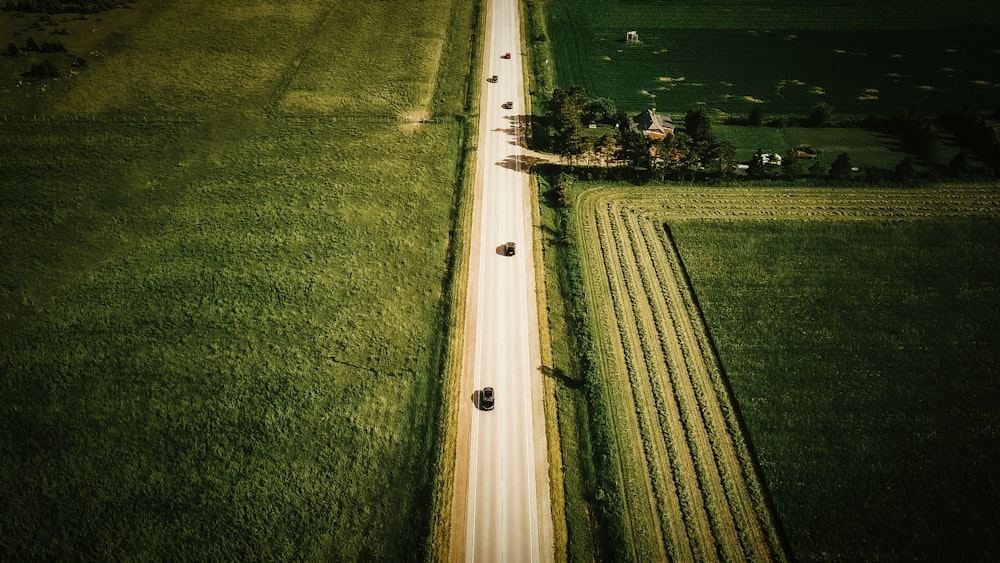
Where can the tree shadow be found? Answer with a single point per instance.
(520, 163)
(560, 376)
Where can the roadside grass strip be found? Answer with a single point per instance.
(690, 485)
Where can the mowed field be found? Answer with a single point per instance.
(222, 300)
(860, 57)
(825, 357)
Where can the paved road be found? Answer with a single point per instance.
(507, 509)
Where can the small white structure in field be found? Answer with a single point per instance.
(632, 37)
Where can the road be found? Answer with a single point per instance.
(502, 467)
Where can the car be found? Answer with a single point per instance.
(486, 399)
(505, 56)
(507, 105)
(508, 249)
(492, 79)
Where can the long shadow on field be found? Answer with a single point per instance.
(560, 376)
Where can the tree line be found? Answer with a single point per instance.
(694, 151)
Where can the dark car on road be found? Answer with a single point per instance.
(507, 105)
(492, 79)
(486, 399)
(508, 249)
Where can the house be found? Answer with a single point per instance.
(652, 124)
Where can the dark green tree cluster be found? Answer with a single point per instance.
(566, 111)
(682, 155)
(977, 135)
(570, 111)
(43, 47)
(44, 69)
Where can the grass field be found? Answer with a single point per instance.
(785, 57)
(864, 357)
(855, 335)
(222, 301)
(865, 148)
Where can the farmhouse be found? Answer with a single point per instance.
(652, 124)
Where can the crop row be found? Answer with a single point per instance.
(819, 204)
(689, 485)
(684, 479)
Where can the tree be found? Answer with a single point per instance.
(564, 190)
(756, 116)
(791, 167)
(606, 147)
(841, 167)
(816, 169)
(822, 114)
(44, 69)
(12, 50)
(905, 170)
(756, 169)
(874, 175)
(566, 107)
(670, 155)
(601, 110)
(697, 125)
(959, 166)
(721, 158)
(633, 148)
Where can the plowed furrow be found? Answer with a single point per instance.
(671, 454)
(746, 509)
(672, 337)
(644, 530)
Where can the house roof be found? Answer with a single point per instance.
(653, 122)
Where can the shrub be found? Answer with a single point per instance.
(44, 69)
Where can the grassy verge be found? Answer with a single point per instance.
(471, 17)
(565, 379)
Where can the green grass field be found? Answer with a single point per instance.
(864, 359)
(786, 57)
(222, 301)
(866, 148)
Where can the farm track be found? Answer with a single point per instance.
(690, 488)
